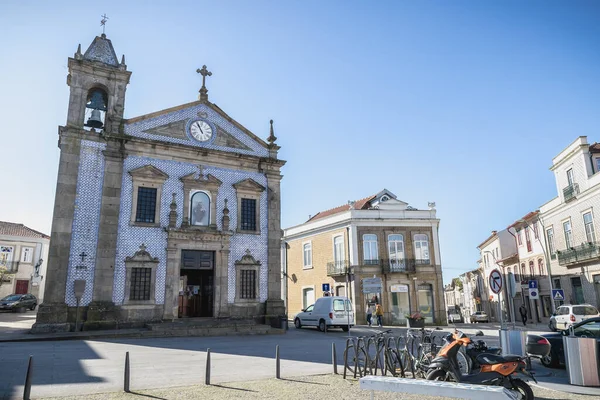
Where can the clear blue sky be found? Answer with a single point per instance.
(461, 103)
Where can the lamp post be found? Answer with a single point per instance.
(546, 258)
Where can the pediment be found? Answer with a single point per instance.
(173, 129)
(247, 259)
(249, 185)
(141, 256)
(148, 172)
(225, 139)
(200, 179)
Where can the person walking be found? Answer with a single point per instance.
(370, 310)
(379, 314)
(523, 312)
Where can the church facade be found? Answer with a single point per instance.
(167, 215)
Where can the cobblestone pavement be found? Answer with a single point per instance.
(310, 387)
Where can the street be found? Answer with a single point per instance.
(78, 367)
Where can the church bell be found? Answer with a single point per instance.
(96, 103)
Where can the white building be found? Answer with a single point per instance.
(23, 256)
(570, 222)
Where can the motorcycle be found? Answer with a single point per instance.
(492, 369)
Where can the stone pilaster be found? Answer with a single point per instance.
(275, 306)
(172, 283)
(54, 310)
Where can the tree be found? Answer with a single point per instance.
(4, 274)
(456, 282)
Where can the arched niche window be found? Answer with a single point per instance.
(531, 269)
(523, 272)
(95, 108)
(200, 209)
(541, 266)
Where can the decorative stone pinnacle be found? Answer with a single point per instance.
(248, 252)
(225, 209)
(203, 90)
(142, 247)
(272, 138)
(78, 55)
(200, 173)
(173, 203)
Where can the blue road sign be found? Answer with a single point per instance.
(533, 285)
(558, 294)
(325, 287)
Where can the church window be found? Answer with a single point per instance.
(141, 280)
(146, 205)
(200, 209)
(248, 215)
(248, 284)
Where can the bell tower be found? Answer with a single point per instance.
(91, 145)
(98, 82)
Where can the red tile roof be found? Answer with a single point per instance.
(527, 217)
(12, 229)
(595, 148)
(362, 204)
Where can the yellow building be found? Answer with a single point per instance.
(350, 249)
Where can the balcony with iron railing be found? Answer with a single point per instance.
(579, 254)
(10, 266)
(571, 192)
(338, 268)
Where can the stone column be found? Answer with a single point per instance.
(172, 283)
(275, 306)
(221, 283)
(52, 314)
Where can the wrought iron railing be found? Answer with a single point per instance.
(574, 255)
(571, 191)
(11, 266)
(336, 268)
(398, 265)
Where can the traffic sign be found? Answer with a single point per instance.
(533, 285)
(495, 281)
(512, 285)
(534, 294)
(558, 294)
(325, 287)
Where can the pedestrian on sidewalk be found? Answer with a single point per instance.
(370, 310)
(523, 312)
(379, 314)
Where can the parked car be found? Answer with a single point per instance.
(479, 316)
(14, 302)
(569, 315)
(589, 328)
(455, 317)
(537, 346)
(327, 312)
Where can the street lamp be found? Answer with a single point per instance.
(546, 258)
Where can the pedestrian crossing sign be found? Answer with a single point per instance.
(558, 294)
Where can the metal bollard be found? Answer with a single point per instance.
(333, 358)
(27, 388)
(127, 375)
(207, 376)
(277, 363)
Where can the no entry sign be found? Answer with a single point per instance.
(495, 281)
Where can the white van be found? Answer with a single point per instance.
(327, 312)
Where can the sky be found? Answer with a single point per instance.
(463, 103)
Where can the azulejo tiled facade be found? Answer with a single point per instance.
(167, 215)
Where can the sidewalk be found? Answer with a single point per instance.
(558, 380)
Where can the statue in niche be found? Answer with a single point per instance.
(200, 209)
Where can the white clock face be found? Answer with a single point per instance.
(201, 131)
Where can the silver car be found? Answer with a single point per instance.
(479, 316)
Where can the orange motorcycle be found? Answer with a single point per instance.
(493, 369)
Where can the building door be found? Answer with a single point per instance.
(308, 297)
(22, 286)
(197, 271)
(577, 295)
(425, 302)
(400, 304)
(596, 279)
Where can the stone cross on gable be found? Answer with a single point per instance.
(103, 22)
(203, 90)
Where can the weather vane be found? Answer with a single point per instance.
(103, 22)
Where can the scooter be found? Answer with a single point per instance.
(494, 369)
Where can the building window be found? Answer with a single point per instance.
(248, 221)
(528, 240)
(550, 235)
(200, 209)
(588, 222)
(523, 272)
(338, 251)
(570, 179)
(541, 267)
(531, 269)
(370, 251)
(27, 255)
(248, 284)
(517, 273)
(146, 205)
(568, 234)
(308, 297)
(597, 164)
(519, 238)
(307, 255)
(421, 248)
(396, 251)
(249, 194)
(141, 282)
(535, 230)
